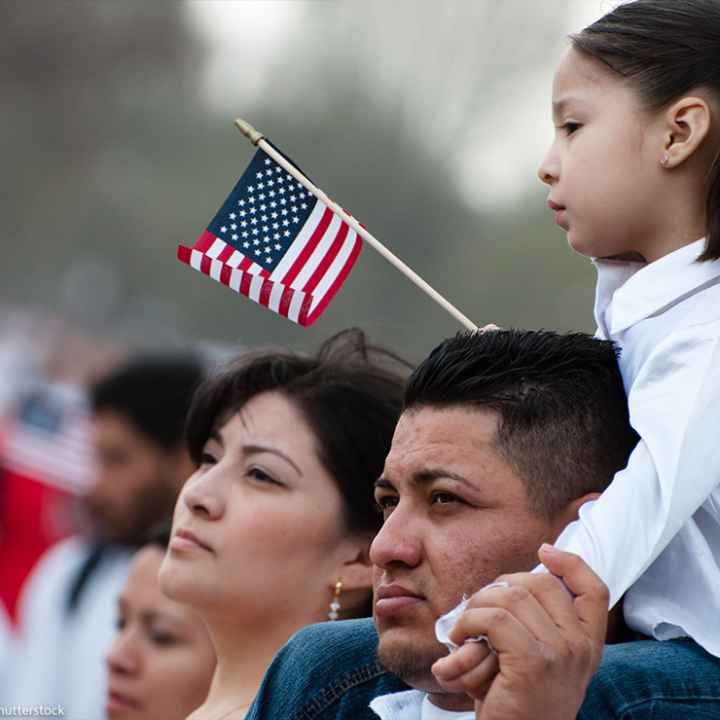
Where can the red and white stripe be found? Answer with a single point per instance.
(304, 281)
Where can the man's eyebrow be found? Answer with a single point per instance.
(427, 476)
(258, 448)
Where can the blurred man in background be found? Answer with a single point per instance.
(67, 609)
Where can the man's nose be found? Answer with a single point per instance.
(398, 542)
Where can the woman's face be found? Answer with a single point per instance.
(161, 661)
(258, 530)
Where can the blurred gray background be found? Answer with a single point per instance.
(425, 119)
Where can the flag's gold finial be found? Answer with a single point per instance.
(253, 135)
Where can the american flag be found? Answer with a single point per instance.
(276, 243)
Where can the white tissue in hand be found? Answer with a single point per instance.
(446, 623)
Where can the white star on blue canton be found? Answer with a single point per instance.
(286, 233)
(233, 216)
(278, 246)
(259, 175)
(223, 229)
(234, 237)
(268, 171)
(260, 186)
(251, 189)
(268, 161)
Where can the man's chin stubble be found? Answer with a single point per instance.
(411, 664)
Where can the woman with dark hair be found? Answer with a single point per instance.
(272, 531)
(161, 660)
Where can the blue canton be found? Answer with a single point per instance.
(264, 213)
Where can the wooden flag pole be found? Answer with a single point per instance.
(257, 138)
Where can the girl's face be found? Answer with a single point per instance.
(603, 167)
(258, 527)
(161, 661)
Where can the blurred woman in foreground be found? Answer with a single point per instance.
(161, 661)
(272, 532)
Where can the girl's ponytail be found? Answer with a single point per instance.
(665, 48)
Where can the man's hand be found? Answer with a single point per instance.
(546, 645)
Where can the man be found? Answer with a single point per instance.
(68, 607)
(503, 437)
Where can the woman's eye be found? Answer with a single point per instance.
(119, 623)
(570, 127)
(261, 476)
(162, 638)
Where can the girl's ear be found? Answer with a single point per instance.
(687, 123)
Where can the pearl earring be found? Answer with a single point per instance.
(335, 604)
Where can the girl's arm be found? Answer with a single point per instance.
(675, 408)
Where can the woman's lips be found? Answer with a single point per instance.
(184, 540)
(117, 702)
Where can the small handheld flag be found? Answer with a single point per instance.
(276, 243)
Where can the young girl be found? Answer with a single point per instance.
(634, 177)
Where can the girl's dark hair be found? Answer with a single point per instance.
(665, 48)
(350, 393)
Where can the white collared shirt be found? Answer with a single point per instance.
(656, 529)
(413, 705)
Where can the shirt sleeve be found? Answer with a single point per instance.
(674, 406)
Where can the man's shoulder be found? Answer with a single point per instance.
(326, 671)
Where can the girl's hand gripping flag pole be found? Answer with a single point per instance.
(282, 242)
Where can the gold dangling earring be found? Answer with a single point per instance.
(335, 604)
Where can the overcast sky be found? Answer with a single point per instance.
(248, 33)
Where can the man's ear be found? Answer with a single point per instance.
(687, 124)
(571, 511)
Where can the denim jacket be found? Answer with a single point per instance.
(331, 672)
(325, 672)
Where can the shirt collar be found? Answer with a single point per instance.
(640, 290)
(405, 705)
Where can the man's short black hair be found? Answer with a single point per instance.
(563, 416)
(153, 393)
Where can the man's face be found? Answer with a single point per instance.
(136, 482)
(456, 516)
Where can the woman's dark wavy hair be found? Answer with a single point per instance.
(665, 48)
(350, 393)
